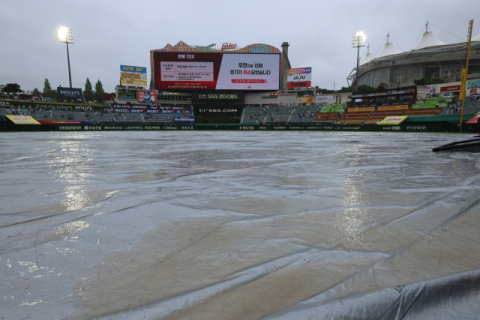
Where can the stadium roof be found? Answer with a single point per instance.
(477, 38)
(389, 49)
(369, 55)
(428, 40)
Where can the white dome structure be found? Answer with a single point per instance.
(389, 49)
(477, 38)
(368, 57)
(428, 40)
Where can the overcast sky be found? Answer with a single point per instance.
(111, 33)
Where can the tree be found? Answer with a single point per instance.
(365, 88)
(99, 91)
(36, 92)
(12, 88)
(47, 89)
(88, 92)
(427, 81)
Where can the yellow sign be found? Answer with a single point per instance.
(402, 107)
(133, 76)
(22, 119)
(393, 120)
(305, 100)
(134, 82)
(361, 109)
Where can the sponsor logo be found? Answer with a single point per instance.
(228, 46)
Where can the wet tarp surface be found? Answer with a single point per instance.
(238, 225)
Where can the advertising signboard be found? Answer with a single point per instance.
(217, 96)
(305, 100)
(135, 76)
(324, 99)
(217, 71)
(473, 84)
(393, 120)
(22, 119)
(185, 119)
(299, 77)
(450, 88)
(69, 93)
(431, 88)
(147, 96)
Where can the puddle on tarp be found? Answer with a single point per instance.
(237, 225)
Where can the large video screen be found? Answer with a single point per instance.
(218, 71)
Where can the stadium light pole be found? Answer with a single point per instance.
(66, 35)
(358, 40)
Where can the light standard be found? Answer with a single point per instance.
(66, 35)
(358, 40)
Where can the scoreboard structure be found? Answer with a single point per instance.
(203, 68)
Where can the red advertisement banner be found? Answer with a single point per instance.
(300, 84)
(451, 88)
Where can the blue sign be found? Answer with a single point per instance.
(185, 119)
(133, 69)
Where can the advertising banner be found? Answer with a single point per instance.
(305, 100)
(66, 122)
(185, 119)
(22, 119)
(431, 88)
(473, 84)
(451, 88)
(401, 107)
(299, 71)
(218, 96)
(69, 93)
(135, 76)
(300, 84)
(324, 99)
(217, 71)
(299, 77)
(146, 96)
(474, 119)
(393, 120)
(127, 108)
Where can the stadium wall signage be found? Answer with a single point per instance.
(69, 93)
(218, 96)
(127, 108)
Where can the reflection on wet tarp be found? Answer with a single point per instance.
(238, 225)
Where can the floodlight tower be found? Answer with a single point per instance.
(66, 35)
(358, 40)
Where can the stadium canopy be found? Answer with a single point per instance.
(389, 49)
(428, 40)
(369, 57)
(477, 38)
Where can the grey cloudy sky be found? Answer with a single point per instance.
(111, 33)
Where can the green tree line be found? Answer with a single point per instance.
(88, 93)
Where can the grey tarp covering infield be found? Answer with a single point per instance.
(238, 225)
